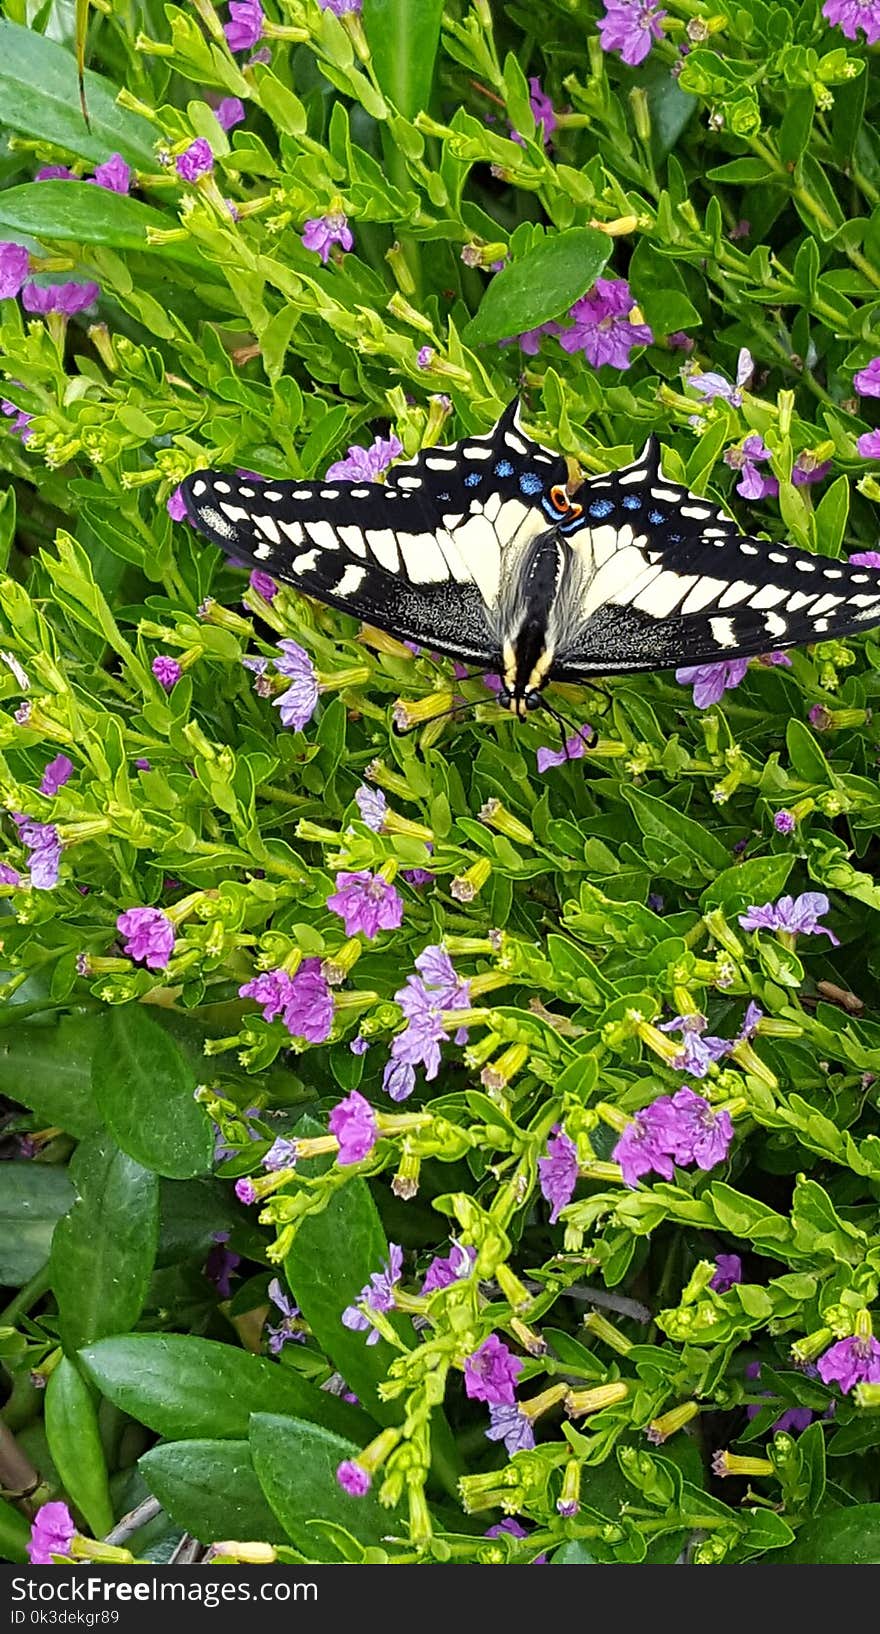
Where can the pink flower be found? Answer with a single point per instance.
(196, 161)
(728, 1272)
(263, 584)
(353, 1478)
(229, 112)
(321, 232)
(711, 681)
(175, 507)
(798, 916)
(868, 445)
(680, 1128)
(166, 670)
(851, 1362)
(297, 705)
(68, 299)
(149, 936)
(491, 1372)
(303, 1001)
(558, 1172)
(630, 27)
(366, 902)
(453, 1267)
(865, 558)
(114, 174)
(575, 748)
(378, 1295)
(602, 330)
(14, 265)
(353, 1122)
(55, 173)
(52, 1532)
(366, 464)
(867, 381)
(854, 15)
(245, 1192)
(784, 822)
(543, 111)
(245, 26)
(56, 775)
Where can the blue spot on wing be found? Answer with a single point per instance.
(631, 502)
(656, 517)
(530, 482)
(504, 469)
(601, 507)
(473, 479)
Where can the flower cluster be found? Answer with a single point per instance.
(680, 1128)
(424, 998)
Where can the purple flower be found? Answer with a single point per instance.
(114, 174)
(14, 265)
(784, 822)
(175, 507)
(417, 877)
(341, 8)
(794, 1418)
(454, 1267)
(65, 298)
(643, 1146)
(353, 1122)
(425, 356)
(799, 916)
(868, 445)
(696, 1134)
(366, 903)
(728, 1271)
(697, 1053)
(351, 1476)
(196, 161)
(491, 1372)
(263, 584)
(558, 1172)
(282, 1154)
(54, 173)
(851, 1362)
(166, 670)
(711, 681)
(56, 775)
(245, 26)
(508, 1423)
(321, 232)
(43, 842)
(303, 1000)
(601, 327)
(142, 765)
(8, 875)
(436, 988)
(852, 15)
(366, 464)
(754, 1014)
(820, 718)
(378, 1294)
(359, 1045)
(575, 748)
(865, 558)
(867, 381)
(530, 339)
(298, 704)
(805, 471)
(149, 936)
(543, 111)
(372, 805)
(20, 420)
(229, 112)
(285, 1333)
(221, 1264)
(245, 1192)
(711, 385)
(52, 1532)
(630, 27)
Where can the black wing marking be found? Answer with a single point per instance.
(664, 578)
(423, 554)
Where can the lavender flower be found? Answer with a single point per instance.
(320, 233)
(711, 385)
(341, 8)
(298, 704)
(865, 558)
(20, 420)
(543, 111)
(303, 1000)
(602, 330)
(67, 299)
(52, 1532)
(43, 842)
(728, 1272)
(417, 877)
(512, 1426)
(798, 916)
(175, 506)
(711, 681)
(491, 1372)
(793, 1419)
(245, 26)
(453, 1267)
(352, 1477)
(425, 356)
(14, 266)
(114, 174)
(282, 1154)
(366, 464)
(229, 112)
(643, 1145)
(852, 15)
(56, 775)
(8, 875)
(529, 341)
(377, 1294)
(372, 805)
(149, 936)
(784, 822)
(867, 381)
(166, 670)
(366, 903)
(435, 989)
(851, 1361)
(286, 1332)
(558, 1172)
(575, 748)
(698, 1053)
(263, 584)
(196, 161)
(55, 173)
(681, 1128)
(353, 1122)
(245, 1192)
(630, 27)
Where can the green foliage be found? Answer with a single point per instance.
(192, 1340)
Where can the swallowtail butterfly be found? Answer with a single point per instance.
(479, 551)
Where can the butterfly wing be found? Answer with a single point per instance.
(423, 554)
(663, 578)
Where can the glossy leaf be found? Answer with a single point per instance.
(103, 1249)
(75, 1445)
(210, 1490)
(403, 37)
(40, 98)
(33, 1197)
(48, 1068)
(76, 211)
(540, 285)
(144, 1086)
(296, 1465)
(846, 1537)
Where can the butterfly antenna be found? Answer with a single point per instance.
(585, 731)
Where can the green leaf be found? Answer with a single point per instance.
(761, 879)
(845, 1537)
(403, 36)
(84, 214)
(832, 512)
(209, 1489)
(144, 1086)
(15, 1534)
(296, 1466)
(681, 835)
(543, 284)
(75, 1445)
(183, 1387)
(797, 123)
(47, 1067)
(39, 96)
(805, 755)
(103, 1249)
(33, 1196)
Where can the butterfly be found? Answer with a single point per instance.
(480, 550)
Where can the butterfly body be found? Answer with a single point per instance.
(479, 551)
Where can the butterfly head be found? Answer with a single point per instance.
(527, 662)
